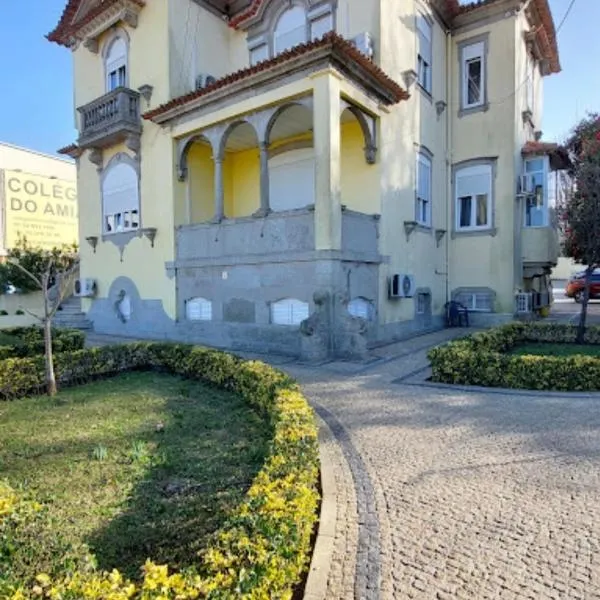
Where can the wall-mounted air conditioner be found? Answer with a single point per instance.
(364, 43)
(204, 80)
(401, 286)
(84, 288)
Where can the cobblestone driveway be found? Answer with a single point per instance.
(449, 494)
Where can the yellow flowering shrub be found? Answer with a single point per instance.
(263, 549)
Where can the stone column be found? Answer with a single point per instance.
(219, 190)
(326, 117)
(188, 200)
(265, 207)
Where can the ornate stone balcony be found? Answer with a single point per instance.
(111, 119)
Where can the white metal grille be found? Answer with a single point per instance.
(524, 302)
(198, 309)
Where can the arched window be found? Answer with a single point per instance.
(292, 179)
(120, 198)
(289, 311)
(361, 307)
(290, 30)
(115, 62)
(198, 309)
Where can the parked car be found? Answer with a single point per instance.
(576, 285)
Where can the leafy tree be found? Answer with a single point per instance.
(581, 210)
(30, 268)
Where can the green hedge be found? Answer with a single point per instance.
(263, 549)
(29, 341)
(482, 359)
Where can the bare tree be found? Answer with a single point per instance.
(53, 272)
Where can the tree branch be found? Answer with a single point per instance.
(24, 270)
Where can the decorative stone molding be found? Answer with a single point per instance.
(409, 227)
(95, 157)
(114, 13)
(439, 234)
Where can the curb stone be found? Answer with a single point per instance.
(318, 575)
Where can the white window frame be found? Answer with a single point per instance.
(470, 53)
(198, 309)
(422, 303)
(477, 170)
(259, 53)
(423, 197)
(126, 216)
(530, 85)
(297, 311)
(116, 64)
(320, 25)
(294, 8)
(424, 52)
(472, 301)
(545, 191)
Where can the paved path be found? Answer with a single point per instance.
(449, 494)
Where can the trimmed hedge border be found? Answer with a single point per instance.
(263, 549)
(29, 341)
(481, 359)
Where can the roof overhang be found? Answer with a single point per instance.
(74, 27)
(331, 51)
(558, 155)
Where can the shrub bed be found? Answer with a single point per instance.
(22, 342)
(263, 549)
(482, 359)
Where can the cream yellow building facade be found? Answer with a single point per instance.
(309, 177)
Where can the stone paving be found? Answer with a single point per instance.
(443, 493)
(453, 494)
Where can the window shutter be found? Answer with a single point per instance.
(120, 191)
(289, 311)
(424, 30)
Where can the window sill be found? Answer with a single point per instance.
(471, 110)
(491, 231)
(423, 227)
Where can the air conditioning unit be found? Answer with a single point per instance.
(402, 286)
(84, 288)
(527, 184)
(204, 80)
(364, 43)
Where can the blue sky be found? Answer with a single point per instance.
(36, 103)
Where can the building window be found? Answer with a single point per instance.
(422, 302)
(258, 54)
(474, 75)
(425, 36)
(476, 301)
(361, 307)
(474, 197)
(198, 309)
(116, 64)
(536, 199)
(321, 25)
(290, 30)
(530, 89)
(292, 179)
(289, 311)
(423, 208)
(120, 198)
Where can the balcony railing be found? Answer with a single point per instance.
(110, 119)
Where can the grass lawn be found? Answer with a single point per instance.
(549, 349)
(140, 466)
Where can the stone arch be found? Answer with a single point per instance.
(183, 148)
(220, 145)
(280, 110)
(367, 125)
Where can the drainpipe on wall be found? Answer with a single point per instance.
(449, 115)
